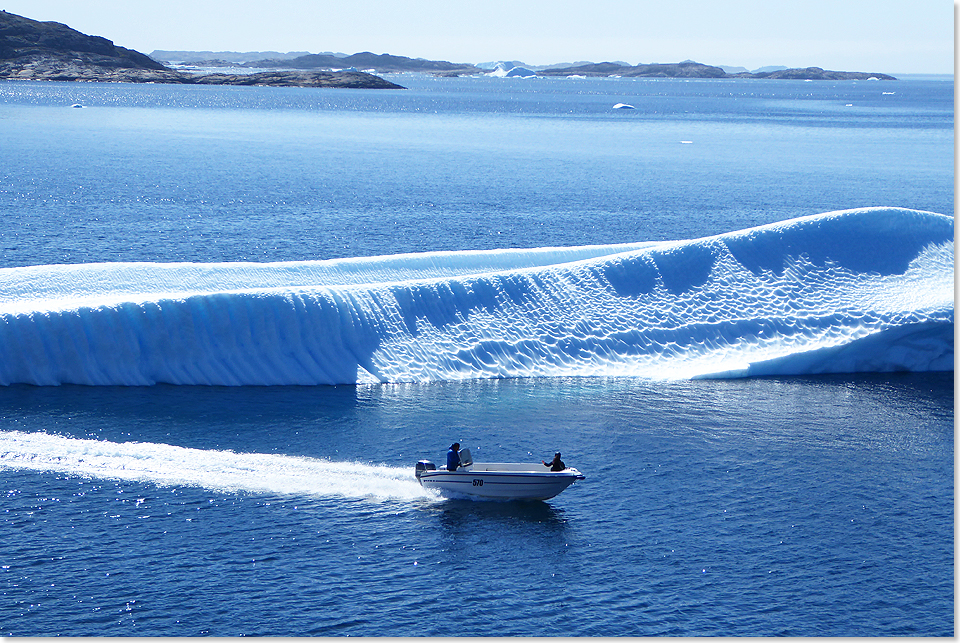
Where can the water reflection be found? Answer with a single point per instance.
(594, 421)
(454, 515)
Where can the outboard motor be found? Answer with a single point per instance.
(424, 465)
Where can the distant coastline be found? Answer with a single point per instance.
(692, 69)
(32, 50)
(386, 63)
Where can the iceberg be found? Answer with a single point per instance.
(865, 290)
(521, 72)
(503, 71)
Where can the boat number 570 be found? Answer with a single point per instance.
(478, 483)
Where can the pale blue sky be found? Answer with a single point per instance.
(892, 36)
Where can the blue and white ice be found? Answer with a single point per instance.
(502, 70)
(853, 291)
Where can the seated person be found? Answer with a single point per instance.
(556, 464)
(453, 457)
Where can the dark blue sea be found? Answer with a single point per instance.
(785, 505)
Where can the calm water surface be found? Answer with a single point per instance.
(780, 506)
(795, 507)
(268, 174)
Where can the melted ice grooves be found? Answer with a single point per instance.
(801, 296)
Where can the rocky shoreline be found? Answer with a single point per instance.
(32, 50)
(53, 69)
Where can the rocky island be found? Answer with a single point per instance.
(366, 60)
(32, 50)
(691, 69)
(656, 70)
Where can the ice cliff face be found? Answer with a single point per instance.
(859, 290)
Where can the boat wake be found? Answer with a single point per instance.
(867, 290)
(166, 465)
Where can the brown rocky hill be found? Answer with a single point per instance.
(23, 41)
(33, 50)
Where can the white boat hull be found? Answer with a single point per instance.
(500, 481)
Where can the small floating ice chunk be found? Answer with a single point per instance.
(686, 142)
(623, 106)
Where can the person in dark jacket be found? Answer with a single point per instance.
(556, 464)
(453, 457)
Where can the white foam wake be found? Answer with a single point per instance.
(172, 466)
(858, 290)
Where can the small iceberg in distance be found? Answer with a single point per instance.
(502, 71)
(623, 106)
(521, 72)
(499, 71)
(865, 290)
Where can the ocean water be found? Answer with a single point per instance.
(155, 173)
(584, 268)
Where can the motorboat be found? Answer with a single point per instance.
(496, 480)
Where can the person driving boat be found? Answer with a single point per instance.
(453, 457)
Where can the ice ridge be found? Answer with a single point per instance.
(860, 290)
